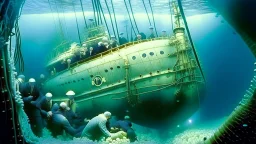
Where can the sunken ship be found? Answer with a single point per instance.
(155, 79)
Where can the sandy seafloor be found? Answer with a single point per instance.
(193, 134)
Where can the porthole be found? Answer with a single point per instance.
(106, 70)
(161, 52)
(82, 78)
(151, 53)
(134, 57)
(74, 81)
(144, 55)
(118, 66)
(111, 68)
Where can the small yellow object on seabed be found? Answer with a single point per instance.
(118, 138)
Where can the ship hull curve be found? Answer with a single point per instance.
(140, 79)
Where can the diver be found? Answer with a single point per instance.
(79, 55)
(62, 65)
(143, 36)
(113, 42)
(164, 33)
(73, 118)
(30, 91)
(30, 96)
(75, 56)
(91, 25)
(103, 45)
(52, 71)
(91, 52)
(152, 35)
(122, 39)
(140, 36)
(96, 128)
(45, 106)
(59, 124)
(83, 52)
(71, 100)
(111, 123)
(126, 126)
(41, 82)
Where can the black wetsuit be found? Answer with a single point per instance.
(126, 126)
(59, 123)
(44, 106)
(122, 40)
(30, 108)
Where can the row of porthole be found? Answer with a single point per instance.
(92, 77)
(111, 68)
(71, 82)
(144, 54)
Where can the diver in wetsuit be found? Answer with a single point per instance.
(30, 95)
(96, 128)
(122, 39)
(59, 123)
(113, 42)
(140, 36)
(164, 33)
(45, 106)
(126, 126)
(152, 35)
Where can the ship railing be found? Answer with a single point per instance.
(58, 50)
(111, 51)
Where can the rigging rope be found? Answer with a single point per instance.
(77, 23)
(98, 13)
(133, 17)
(21, 57)
(18, 58)
(117, 38)
(53, 15)
(17, 48)
(132, 30)
(100, 6)
(81, 3)
(189, 36)
(153, 17)
(65, 24)
(60, 24)
(146, 12)
(171, 14)
(94, 14)
(110, 18)
(130, 20)
(127, 35)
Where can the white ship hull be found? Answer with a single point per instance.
(152, 83)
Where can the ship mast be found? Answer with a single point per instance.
(180, 24)
(186, 67)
